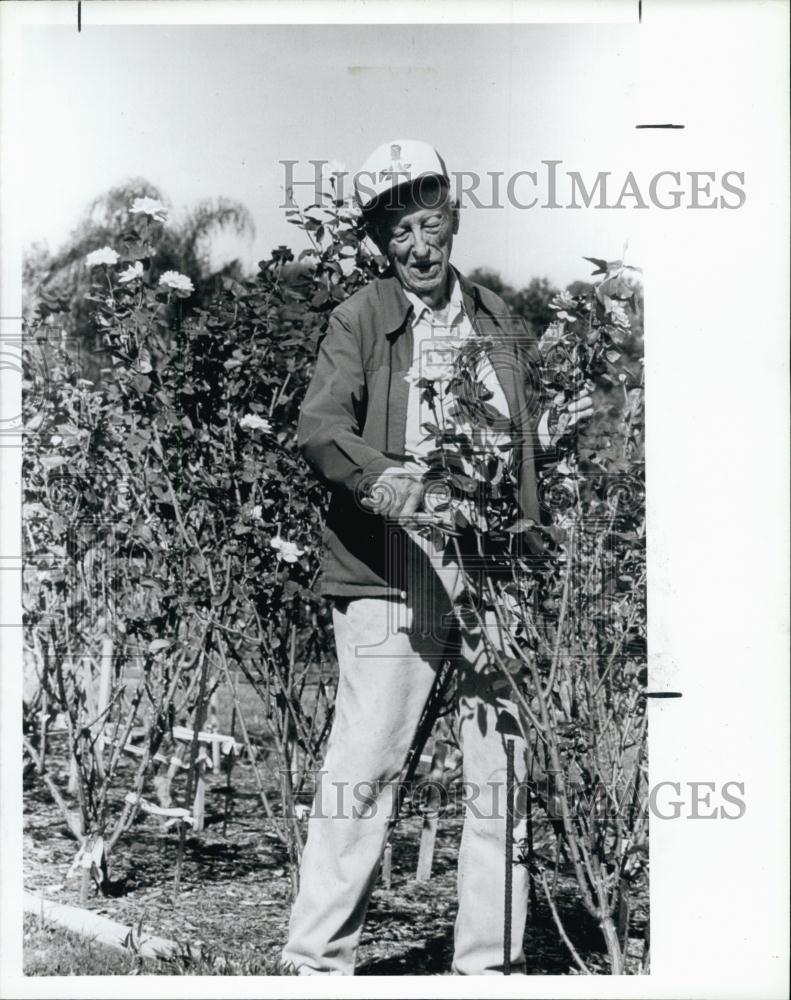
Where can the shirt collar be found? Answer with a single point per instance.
(455, 302)
(394, 306)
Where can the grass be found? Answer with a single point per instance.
(53, 951)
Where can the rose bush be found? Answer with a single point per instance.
(564, 630)
(167, 509)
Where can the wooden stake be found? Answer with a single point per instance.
(42, 743)
(231, 761)
(387, 866)
(214, 726)
(72, 785)
(294, 758)
(199, 802)
(428, 834)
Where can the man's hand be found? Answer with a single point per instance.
(396, 493)
(578, 409)
(562, 416)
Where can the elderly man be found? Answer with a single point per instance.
(393, 588)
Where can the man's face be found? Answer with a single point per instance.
(417, 239)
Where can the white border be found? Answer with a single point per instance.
(717, 308)
(329, 12)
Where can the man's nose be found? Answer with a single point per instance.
(419, 247)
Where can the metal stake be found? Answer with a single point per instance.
(509, 854)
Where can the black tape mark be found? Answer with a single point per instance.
(79, 15)
(660, 126)
(639, 11)
(663, 694)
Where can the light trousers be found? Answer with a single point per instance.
(388, 653)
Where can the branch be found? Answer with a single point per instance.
(562, 930)
(72, 821)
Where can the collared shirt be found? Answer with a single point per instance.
(437, 336)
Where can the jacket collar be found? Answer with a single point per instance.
(395, 307)
(470, 295)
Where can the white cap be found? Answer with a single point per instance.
(394, 163)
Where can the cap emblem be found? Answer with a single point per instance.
(396, 165)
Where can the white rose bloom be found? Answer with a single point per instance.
(436, 366)
(349, 212)
(149, 206)
(347, 265)
(336, 167)
(104, 256)
(132, 273)
(251, 421)
(437, 371)
(287, 551)
(257, 512)
(177, 281)
(618, 315)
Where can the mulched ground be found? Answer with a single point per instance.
(235, 891)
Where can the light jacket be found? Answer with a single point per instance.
(353, 421)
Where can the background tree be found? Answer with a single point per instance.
(59, 281)
(531, 302)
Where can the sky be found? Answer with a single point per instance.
(209, 111)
